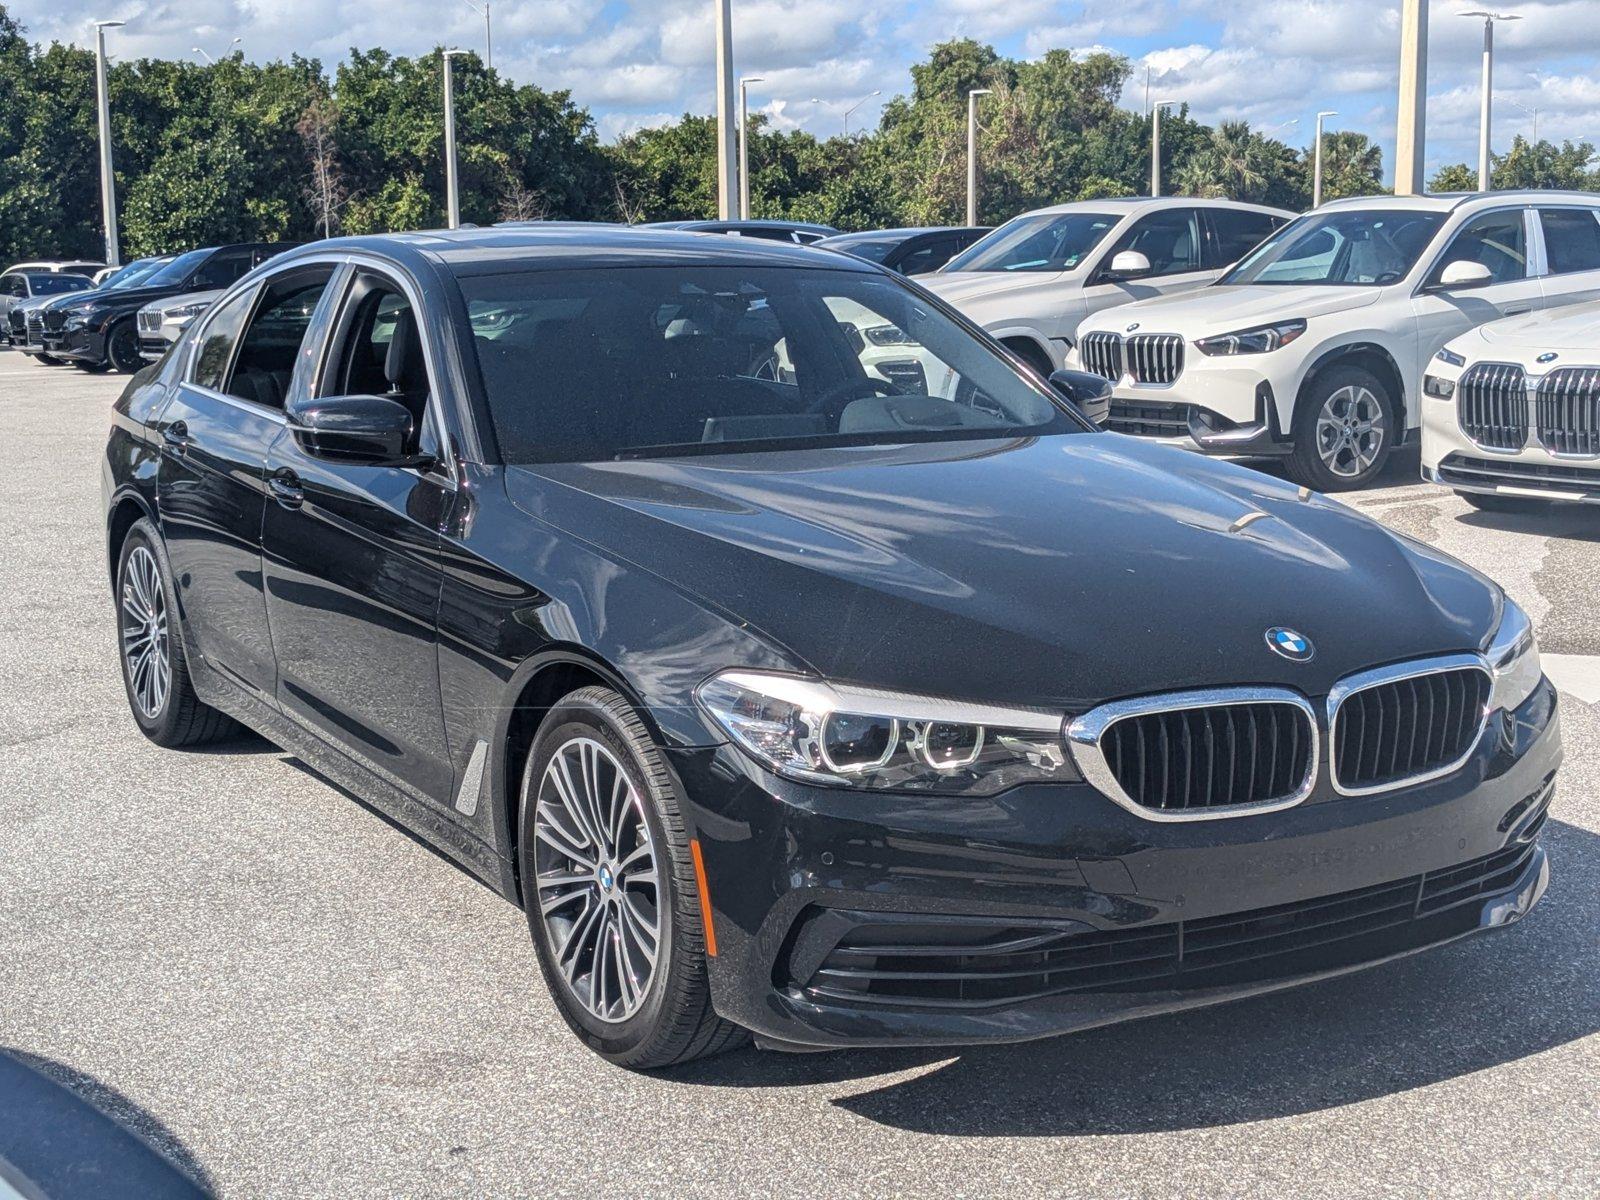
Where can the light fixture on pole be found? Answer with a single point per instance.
(108, 184)
(727, 152)
(744, 144)
(452, 192)
(1488, 18)
(972, 153)
(1532, 112)
(1155, 143)
(200, 50)
(1316, 170)
(857, 105)
(1291, 122)
(488, 32)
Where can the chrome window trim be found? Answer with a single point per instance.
(1395, 673)
(1084, 734)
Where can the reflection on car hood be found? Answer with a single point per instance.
(961, 287)
(1572, 329)
(1225, 308)
(1064, 570)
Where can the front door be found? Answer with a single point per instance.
(1171, 239)
(352, 560)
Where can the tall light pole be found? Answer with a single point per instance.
(727, 153)
(972, 152)
(452, 192)
(108, 184)
(1532, 112)
(1155, 143)
(744, 144)
(1316, 170)
(206, 54)
(1489, 18)
(1410, 131)
(857, 105)
(488, 32)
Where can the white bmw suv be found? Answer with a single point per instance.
(1511, 411)
(1314, 345)
(1032, 280)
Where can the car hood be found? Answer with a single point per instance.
(1223, 308)
(1572, 329)
(965, 287)
(1060, 571)
(130, 298)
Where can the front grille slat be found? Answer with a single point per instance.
(1492, 405)
(1568, 411)
(1443, 709)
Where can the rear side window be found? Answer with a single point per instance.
(1498, 240)
(1235, 234)
(217, 341)
(1571, 239)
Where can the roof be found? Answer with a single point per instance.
(1450, 201)
(736, 223)
(1136, 203)
(575, 245)
(911, 231)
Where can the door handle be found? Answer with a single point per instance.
(176, 436)
(286, 489)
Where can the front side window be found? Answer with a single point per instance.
(378, 350)
(14, 285)
(217, 341)
(1571, 239)
(264, 366)
(616, 363)
(1169, 239)
(1370, 247)
(1498, 240)
(220, 271)
(1046, 242)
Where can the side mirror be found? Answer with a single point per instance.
(369, 429)
(1091, 393)
(1128, 264)
(1464, 274)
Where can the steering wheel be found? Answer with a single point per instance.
(831, 403)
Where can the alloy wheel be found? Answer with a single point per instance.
(1351, 429)
(597, 880)
(145, 649)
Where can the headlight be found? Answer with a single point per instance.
(186, 312)
(1513, 655)
(1451, 357)
(887, 335)
(1439, 389)
(1259, 340)
(847, 736)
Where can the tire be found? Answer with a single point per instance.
(1030, 353)
(1495, 503)
(170, 715)
(584, 938)
(122, 348)
(1345, 427)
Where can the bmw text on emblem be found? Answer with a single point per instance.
(1131, 328)
(1294, 646)
(1547, 356)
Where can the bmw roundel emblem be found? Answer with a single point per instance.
(1131, 328)
(1547, 356)
(1296, 647)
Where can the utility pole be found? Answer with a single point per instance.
(108, 183)
(1411, 125)
(744, 144)
(972, 152)
(727, 154)
(452, 192)
(1316, 171)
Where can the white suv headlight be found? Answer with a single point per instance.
(1513, 655)
(1259, 340)
(846, 736)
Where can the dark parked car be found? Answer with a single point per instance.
(787, 701)
(26, 320)
(99, 329)
(908, 251)
(799, 233)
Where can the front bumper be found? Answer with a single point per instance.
(77, 345)
(1452, 459)
(852, 919)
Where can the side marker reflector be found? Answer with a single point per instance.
(705, 897)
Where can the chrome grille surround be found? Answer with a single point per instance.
(1155, 358)
(149, 322)
(1567, 408)
(1085, 736)
(1102, 355)
(1492, 405)
(1353, 685)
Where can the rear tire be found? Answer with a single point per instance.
(1345, 426)
(155, 672)
(589, 896)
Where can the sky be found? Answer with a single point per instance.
(635, 63)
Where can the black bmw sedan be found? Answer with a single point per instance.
(794, 699)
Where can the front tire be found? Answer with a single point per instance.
(122, 348)
(1344, 429)
(155, 672)
(609, 888)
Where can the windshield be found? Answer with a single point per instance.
(134, 273)
(177, 270)
(1048, 242)
(641, 362)
(1369, 247)
(54, 285)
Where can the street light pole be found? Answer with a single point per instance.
(855, 106)
(744, 144)
(488, 32)
(1489, 18)
(452, 193)
(1155, 143)
(108, 184)
(727, 153)
(1316, 171)
(207, 54)
(972, 153)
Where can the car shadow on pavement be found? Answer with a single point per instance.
(1572, 522)
(1436, 1016)
(67, 1136)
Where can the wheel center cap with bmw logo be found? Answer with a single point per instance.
(606, 878)
(1296, 647)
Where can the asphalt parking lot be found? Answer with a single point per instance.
(291, 998)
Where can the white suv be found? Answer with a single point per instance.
(1032, 280)
(1314, 345)
(1511, 411)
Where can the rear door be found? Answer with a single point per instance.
(1171, 238)
(1231, 233)
(1571, 254)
